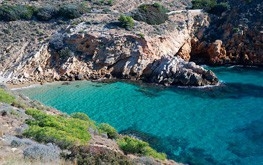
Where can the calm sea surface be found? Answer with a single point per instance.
(213, 125)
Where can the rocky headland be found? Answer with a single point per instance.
(94, 46)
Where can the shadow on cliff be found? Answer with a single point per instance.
(176, 148)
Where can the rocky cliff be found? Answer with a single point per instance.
(98, 48)
(235, 37)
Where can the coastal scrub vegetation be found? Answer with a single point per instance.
(103, 2)
(127, 22)
(61, 130)
(81, 116)
(85, 155)
(71, 132)
(6, 97)
(211, 6)
(16, 12)
(153, 14)
(45, 13)
(109, 130)
(132, 145)
(71, 11)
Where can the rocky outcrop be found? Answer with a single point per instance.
(98, 48)
(236, 37)
(113, 52)
(175, 71)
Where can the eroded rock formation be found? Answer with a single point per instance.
(235, 37)
(98, 48)
(109, 51)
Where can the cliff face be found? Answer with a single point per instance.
(97, 48)
(235, 37)
(107, 51)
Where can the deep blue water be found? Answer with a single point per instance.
(213, 125)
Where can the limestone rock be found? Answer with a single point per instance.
(217, 52)
(233, 38)
(99, 49)
(175, 71)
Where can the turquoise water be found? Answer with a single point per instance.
(214, 125)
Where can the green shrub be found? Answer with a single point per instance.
(71, 11)
(135, 146)
(63, 131)
(211, 6)
(46, 13)
(153, 14)
(6, 97)
(126, 21)
(106, 128)
(81, 116)
(141, 35)
(204, 4)
(65, 53)
(19, 104)
(103, 2)
(132, 145)
(148, 151)
(16, 12)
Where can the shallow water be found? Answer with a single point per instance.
(218, 125)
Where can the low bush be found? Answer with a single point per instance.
(126, 21)
(41, 152)
(204, 4)
(61, 130)
(132, 145)
(6, 97)
(211, 6)
(19, 104)
(81, 116)
(16, 12)
(65, 53)
(71, 11)
(106, 128)
(103, 2)
(89, 155)
(25, 12)
(46, 13)
(153, 14)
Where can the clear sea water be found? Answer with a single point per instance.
(213, 125)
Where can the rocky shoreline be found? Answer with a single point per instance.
(17, 149)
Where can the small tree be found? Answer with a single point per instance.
(127, 22)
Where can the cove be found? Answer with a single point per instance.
(212, 125)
